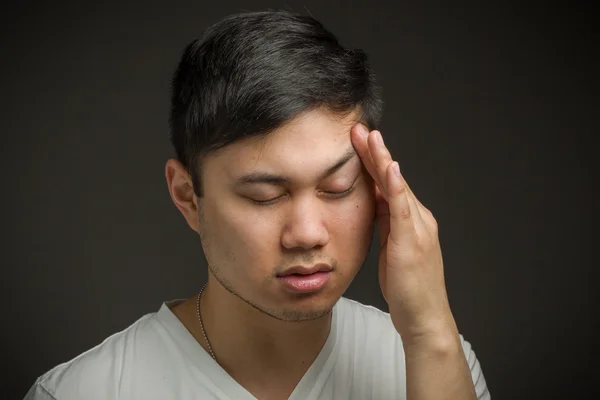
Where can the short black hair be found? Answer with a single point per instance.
(252, 72)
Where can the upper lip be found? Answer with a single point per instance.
(302, 270)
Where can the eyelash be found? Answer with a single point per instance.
(335, 195)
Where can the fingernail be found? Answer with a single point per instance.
(362, 130)
(396, 167)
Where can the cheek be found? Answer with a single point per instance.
(354, 222)
(248, 238)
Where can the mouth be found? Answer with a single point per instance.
(302, 270)
(306, 280)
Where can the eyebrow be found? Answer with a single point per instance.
(274, 179)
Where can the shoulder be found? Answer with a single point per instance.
(371, 341)
(96, 373)
(369, 358)
(367, 324)
(359, 312)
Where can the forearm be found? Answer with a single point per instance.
(437, 369)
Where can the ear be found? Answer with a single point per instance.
(181, 189)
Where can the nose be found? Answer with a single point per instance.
(305, 226)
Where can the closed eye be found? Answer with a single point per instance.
(330, 194)
(266, 202)
(340, 194)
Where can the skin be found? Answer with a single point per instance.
(310, 220)
(411, 276)
(247, 245)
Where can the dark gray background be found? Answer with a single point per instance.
(489, 110)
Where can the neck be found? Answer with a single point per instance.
(248, 342)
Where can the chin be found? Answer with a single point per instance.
(300, 315)
(299, 307)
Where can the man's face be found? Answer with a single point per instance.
(306, 216)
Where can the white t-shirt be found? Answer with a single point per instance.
(157, 358)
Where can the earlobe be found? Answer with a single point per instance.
(181, 189)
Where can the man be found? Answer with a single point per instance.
(282, 173)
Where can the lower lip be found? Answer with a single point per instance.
(305, 283)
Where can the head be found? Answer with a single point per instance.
(262, 108)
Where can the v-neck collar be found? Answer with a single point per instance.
(222, 384)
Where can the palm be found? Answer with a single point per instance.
(410, 265)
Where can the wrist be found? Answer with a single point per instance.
(438, 335)
(442, 343)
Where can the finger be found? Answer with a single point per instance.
(363, 141)
(371, 148)
(423, 210)
(427, 217)
(402, 225)
(426, 222)
(418, 205)
(414, 204)
(359, 136)
(381, 158)
(382, 214)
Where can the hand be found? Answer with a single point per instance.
(411, 271)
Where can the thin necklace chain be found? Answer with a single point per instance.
(210, 350)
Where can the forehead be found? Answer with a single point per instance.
(307, 143)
